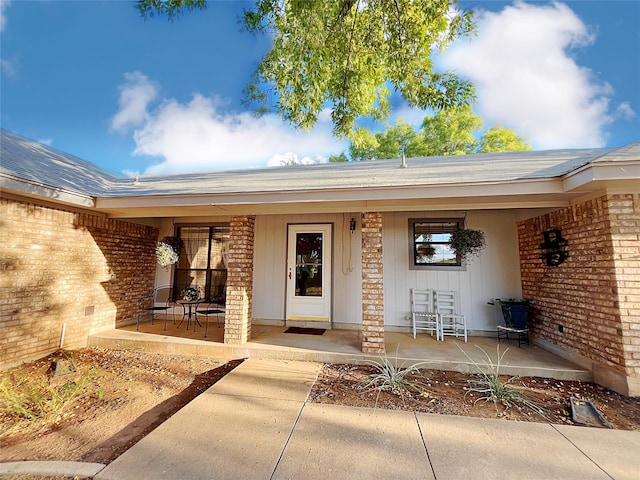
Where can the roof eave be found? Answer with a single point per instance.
(609, 175)
(515, 194)
(39, 191)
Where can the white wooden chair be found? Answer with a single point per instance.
(423, 316)
(451, 321)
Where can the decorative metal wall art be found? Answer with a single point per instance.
(554, 248)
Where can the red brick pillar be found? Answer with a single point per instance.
(372, 335)
(237, 326)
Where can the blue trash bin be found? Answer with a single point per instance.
(516, 314)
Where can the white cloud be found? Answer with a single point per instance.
(200, 135)
(135, 96)
(526, 79)
(625, 111)
(291, 158)
(4, 4)
(8, 68)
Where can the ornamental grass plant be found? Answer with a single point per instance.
(488, 383)
(389, 376)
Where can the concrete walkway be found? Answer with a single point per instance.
(255, 424)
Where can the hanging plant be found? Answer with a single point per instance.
(168, 251)
(467, 242)
(427, 251)
(175, 243)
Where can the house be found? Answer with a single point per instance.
(338, 245)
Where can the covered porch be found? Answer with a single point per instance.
(342, 346)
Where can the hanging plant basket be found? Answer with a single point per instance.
(168, 251)
(175, 243)
(427, 251)
(467, 242)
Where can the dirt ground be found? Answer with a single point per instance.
(446, 392)
(130, 393)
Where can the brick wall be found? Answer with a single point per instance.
(237, 326)
(62, 267)
(624, 218)
(594, 296)
(372, 335)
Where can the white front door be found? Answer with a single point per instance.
(309, 275)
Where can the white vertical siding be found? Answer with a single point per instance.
(270, 266)
(495, 273)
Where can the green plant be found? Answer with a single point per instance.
(428, 251)
(190, 294)
(487, 382)
(467, 242)
(389, 376)
(31, 402)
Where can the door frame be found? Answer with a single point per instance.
(320, 309)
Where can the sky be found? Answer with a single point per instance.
(93, 79)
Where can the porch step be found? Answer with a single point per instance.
(343, 346)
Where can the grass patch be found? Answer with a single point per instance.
(29, 403)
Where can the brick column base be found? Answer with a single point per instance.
(372, 335)
(237, 325)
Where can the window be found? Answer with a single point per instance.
(429, 244)
(203, 260)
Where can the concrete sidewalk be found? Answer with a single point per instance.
(255, 424)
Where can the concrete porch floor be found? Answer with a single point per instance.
(341, 346)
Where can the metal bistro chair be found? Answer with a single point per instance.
(452, 322)
(161, 299)
(212, 307)
(423, 316)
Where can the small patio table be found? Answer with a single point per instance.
(191, 306)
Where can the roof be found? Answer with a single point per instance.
(34, 162)
(38, 168)
(420, 171)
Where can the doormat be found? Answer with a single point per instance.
(305, 331)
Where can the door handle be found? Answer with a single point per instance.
(289, 274)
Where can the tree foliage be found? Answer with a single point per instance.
(341, 157)
(445, 133)
(347, 55)
(169, 8)
(388, 144)
(451, 133)
(498, 139)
